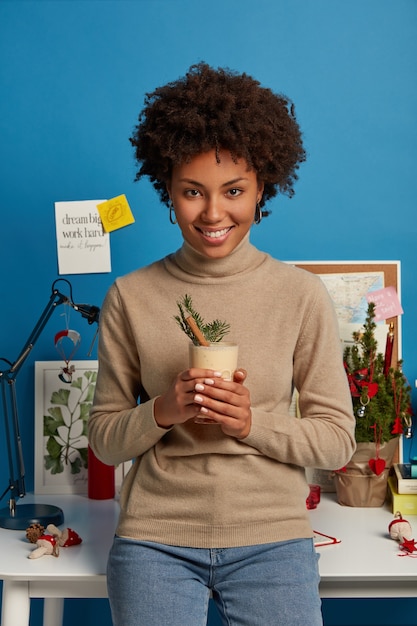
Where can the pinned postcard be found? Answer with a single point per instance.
(115, 213)
(387, 303)
(82, 245)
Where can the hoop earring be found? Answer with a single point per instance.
(173, 220)
(258, 213)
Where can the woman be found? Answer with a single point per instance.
(216, 498)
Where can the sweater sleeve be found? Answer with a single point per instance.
(323, 437)
(120, 429)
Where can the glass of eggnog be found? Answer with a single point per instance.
(219, 356)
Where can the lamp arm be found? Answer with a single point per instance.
(55, 299)
(8, 392)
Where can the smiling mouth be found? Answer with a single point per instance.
(215, 234)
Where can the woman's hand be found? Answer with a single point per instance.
(204, 396)
(176, 405)
(226, 403)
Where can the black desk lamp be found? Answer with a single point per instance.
(21, 516)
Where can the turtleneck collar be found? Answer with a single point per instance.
(245, 257)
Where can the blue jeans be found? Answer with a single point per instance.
(274, 584)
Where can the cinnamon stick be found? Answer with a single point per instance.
(196, 331)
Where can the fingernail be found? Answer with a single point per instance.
(217, 374)
(199, 387)
(208, 381)
(198, 398)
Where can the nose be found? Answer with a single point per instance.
(212, 211)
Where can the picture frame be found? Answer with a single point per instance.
(62, 405)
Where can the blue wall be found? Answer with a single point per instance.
(73, 75)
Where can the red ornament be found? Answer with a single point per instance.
(70, 538)
(409, 545)
(397, 427)
(372, 388)
(400, 530)
(358, 380)
(377, 465)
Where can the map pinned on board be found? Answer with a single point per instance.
(387, 303)
(115, 213)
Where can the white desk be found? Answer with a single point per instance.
(78, 572)
(364, 565)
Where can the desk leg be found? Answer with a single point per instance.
(53, 611)
(15, 603)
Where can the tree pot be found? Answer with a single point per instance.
(357, 485)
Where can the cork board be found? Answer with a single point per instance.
(391, 278)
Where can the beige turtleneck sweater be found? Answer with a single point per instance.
(192, 485)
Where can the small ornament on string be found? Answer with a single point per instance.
(363, 387)
(67, 341)
(400, 530)
(377, 465)
(362, 409)
(403, 421)
(408, 431)
(63, 339)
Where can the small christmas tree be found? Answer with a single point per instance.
(381, 394)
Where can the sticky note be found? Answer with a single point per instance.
(115, 213)
(386, 302)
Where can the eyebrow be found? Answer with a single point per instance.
(226, 184)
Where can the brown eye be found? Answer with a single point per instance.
(234, 192)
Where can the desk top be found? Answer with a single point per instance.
(94, 520)
(366, 552)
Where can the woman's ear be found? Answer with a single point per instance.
(261, 187)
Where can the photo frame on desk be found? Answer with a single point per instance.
(61, 414)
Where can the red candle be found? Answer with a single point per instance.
(388, 349)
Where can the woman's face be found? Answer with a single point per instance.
(214, 202)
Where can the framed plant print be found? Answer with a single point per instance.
(62, 406)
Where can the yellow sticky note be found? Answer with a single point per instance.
(115, 213)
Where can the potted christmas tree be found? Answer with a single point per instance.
(381, 399)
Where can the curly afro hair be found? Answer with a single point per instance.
(218, 109)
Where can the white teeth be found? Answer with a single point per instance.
(216, 233)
